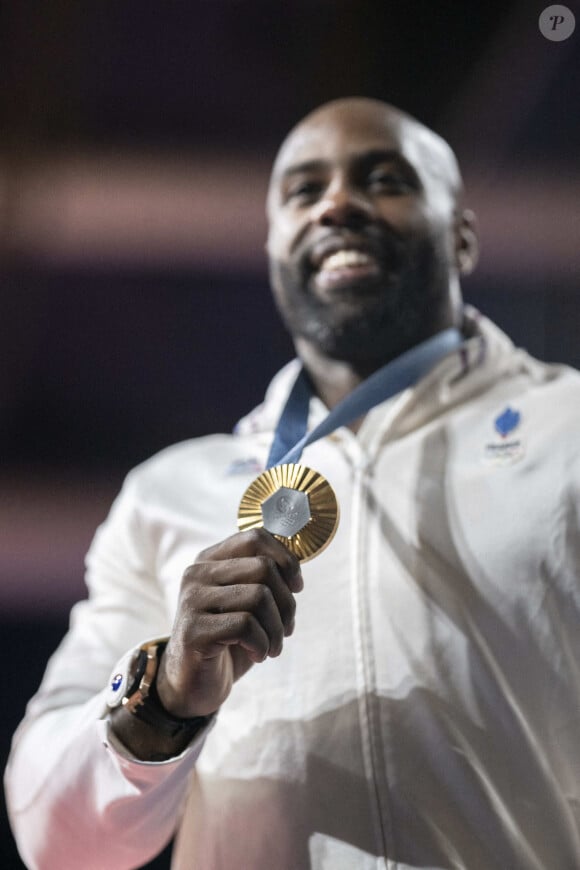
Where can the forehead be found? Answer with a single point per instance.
(336, 137)
(340, 137)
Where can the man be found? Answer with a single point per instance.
(410, 698)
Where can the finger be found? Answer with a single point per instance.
(256, 599)
(258, 542)
(214, 631)
(248, 571)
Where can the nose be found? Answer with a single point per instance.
(342, 205)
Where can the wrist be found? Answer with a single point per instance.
(138, 717)
(142, 741)
(152, 711)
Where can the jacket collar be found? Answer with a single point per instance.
(486, 356)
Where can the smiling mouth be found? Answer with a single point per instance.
(344, 266)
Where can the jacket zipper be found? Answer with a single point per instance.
(364, 650)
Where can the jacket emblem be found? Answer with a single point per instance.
(248, 465)
(505, 450)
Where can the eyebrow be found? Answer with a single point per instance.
(365, 158)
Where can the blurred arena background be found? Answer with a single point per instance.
(135, 145)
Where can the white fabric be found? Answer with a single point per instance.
(426, 711)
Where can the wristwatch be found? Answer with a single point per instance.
(132, 685)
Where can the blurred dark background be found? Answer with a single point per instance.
(135, 144)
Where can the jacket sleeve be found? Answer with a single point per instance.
(75, 797)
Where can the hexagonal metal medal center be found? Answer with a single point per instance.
(286, 512)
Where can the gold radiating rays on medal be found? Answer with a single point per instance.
(319, 529)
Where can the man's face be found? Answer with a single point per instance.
(363, 232)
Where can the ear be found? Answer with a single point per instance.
(466, 243)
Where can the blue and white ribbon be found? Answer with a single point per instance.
(291, 435)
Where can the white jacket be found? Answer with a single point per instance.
(426, 711)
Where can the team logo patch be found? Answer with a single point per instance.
(249, 465)
(509, 447)
(507, 421)
(117, 685)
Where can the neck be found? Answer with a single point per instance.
(332, 379)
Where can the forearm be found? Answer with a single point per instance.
(76, 801)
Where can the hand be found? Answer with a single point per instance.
(235, 607)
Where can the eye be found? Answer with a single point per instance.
(304, 191)
(390, 181)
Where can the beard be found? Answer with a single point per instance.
(373, 320)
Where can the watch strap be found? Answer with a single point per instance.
(145, 671)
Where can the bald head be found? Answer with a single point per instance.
(425, 148)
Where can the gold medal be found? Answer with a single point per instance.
(295, 504)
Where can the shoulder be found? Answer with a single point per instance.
(554, 389)
(549, 401)
(198, 463)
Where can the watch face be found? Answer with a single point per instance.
(119, 679)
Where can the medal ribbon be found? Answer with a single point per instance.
(291, 436)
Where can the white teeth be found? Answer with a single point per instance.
(343, 259)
